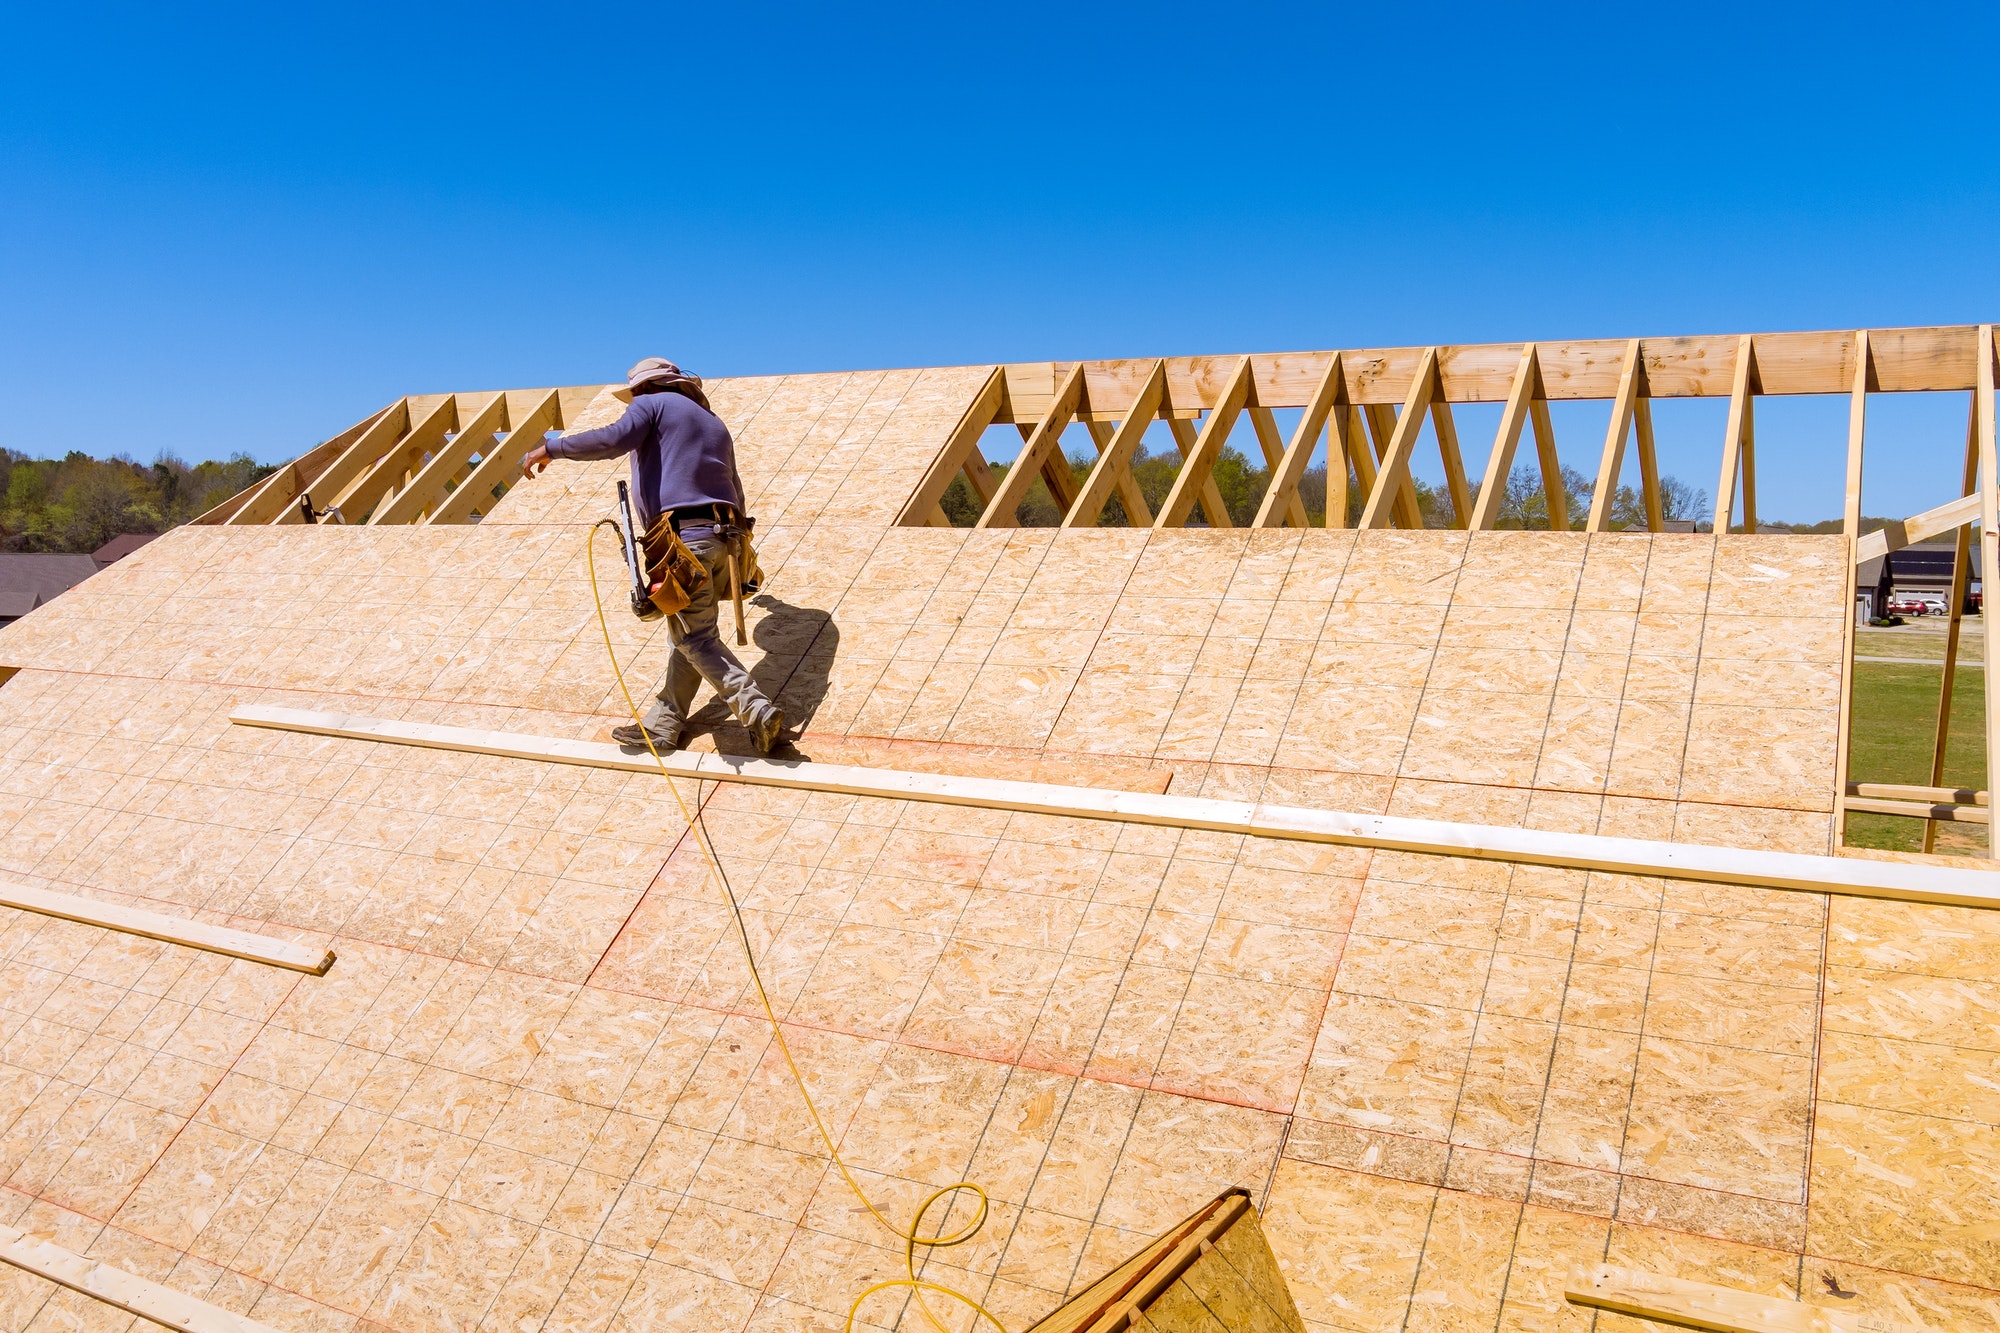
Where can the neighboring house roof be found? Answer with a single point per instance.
(29, 579)
(1912, 564)
(120, 546)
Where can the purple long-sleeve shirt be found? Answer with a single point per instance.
(682, 456)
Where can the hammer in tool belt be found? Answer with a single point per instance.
(736, 540)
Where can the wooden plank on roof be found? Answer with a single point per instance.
(117, 1288)
(243, 944)
(1644, 1295)
(1752, 867)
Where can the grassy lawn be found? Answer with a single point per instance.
(1895, 714)
(1921, 639)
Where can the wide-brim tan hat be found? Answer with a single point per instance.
(658, 372)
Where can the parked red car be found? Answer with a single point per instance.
(1907, 604)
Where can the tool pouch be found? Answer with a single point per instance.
(673, 575)
(738, 536)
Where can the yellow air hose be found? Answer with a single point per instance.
(912, 1237)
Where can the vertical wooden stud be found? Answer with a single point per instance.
(1199, 466)
(1742, 386)
(1989, 557)
(1395, 469)
(1500, 462)
(1329, 403)
(1605, 492)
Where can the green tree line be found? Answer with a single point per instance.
(1242, 485)
(77, 503)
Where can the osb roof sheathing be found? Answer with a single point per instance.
(534, 1092)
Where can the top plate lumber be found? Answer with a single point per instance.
(116, 1287)
(244, 944)
(1908, 360)
(1674, 1300)
(1630, 856)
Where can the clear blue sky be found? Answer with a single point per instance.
(229, 229)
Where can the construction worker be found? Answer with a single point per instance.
(683, 466)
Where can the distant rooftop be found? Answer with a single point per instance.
(29, 579)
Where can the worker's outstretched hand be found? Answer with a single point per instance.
(534, 461)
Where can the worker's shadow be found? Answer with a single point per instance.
(798, 644)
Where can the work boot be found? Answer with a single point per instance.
(766, 730)
(633, 737)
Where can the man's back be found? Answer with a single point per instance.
(682, 456)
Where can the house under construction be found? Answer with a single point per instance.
(1283, 926)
